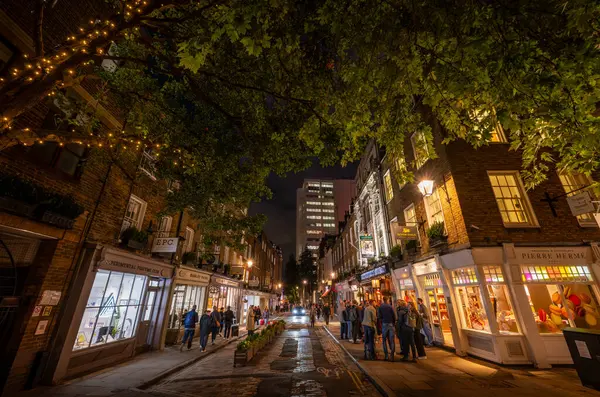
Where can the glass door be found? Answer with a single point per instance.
(147, 323)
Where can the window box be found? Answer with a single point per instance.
(134, 238)
(17, 207)
(138, 245)
(438, 241)
(57, 220)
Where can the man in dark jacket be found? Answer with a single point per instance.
(344, 323)
(228, 317)
(189, 324)
(326, 313)
(405, 326)
(388, 318)
(205, 322)
(354, 317)
(215, 323)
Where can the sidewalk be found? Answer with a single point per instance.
(446, 374)
(140, 372)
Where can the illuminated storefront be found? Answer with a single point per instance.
(377, 283)
(405, 284)
(223, 292)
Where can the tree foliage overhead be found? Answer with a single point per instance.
(238, 89)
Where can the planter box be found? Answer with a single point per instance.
(136, 245)
(242, 357)
(438, 242)
(57, 220)
(17, 207)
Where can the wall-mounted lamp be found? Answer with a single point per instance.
(426, 187)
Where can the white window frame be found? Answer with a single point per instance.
(419, 162)
(430, 221)
(164, 226)
(387, 186)
(400, 165)
(138, 220)
(533, 221)
(148, 165)
(189, 239)
(576, 189)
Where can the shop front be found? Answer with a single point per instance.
(377, 283)
(486, 316)
(224, 292)
(189, 289)
(405, 284)
(120, 311)
(433, 288)
(555, 288)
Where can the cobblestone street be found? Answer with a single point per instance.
(300, 362)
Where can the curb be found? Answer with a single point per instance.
(380, 388)
(191, 361)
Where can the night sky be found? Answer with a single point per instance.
(281, 209)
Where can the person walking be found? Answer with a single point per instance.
(407, 323)
(426, 324)
(205, 321)
(326, 313)
(228, 318)
(369, 323)
(419, 343)
(215, 323)
(349, 309)
(266, 315)
(250, 322)
(189, 324)
(312, 314)
(221, 313)
(354, 322)
(318, 311)
(343, 322)
(388, 317)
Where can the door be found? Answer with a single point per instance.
(146, 326)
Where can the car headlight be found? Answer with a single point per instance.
(303, 311)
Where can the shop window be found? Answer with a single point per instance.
(112, 310)
(433, 207)
(184, 298)
(387, 185)
(503, 309)
(493, 274)
(134, 216)
(556, 306)
(464, 276)
(575, 183)
(511, 199)
(432, 280)
(420, 148)
(474, 316)
(555, 273)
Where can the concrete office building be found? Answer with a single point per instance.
(320, 205)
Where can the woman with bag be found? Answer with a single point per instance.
(250, 324)
(418, 331)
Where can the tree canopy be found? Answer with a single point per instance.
(234, 89)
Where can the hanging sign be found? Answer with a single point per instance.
(581, 203)
(165, 244)
(405, 232)
(367, 246)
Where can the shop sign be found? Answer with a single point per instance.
(405, 232)
(190, 275)
(50, 298)
(138, 268)
(253, 283)
(378, 271)
(367, 246)
(165, 244)
(224, 281)
(581, 203)
(552, 255)
(425, 267)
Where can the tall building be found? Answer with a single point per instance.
(320, 205)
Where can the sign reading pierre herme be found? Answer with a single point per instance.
(165, 244)
(552, 255)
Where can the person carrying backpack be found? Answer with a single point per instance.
(189, 323)
(406, 324)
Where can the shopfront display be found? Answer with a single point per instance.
(223, 292)
(377, 284)
(405, 284)
(468, 293)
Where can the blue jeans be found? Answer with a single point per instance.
(369, 341)
(215, 331)
(188, 334)
(349, 329)
(428, 332)
(388, 337)
(343, 332)
(203, 340)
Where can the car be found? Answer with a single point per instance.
(298, 311)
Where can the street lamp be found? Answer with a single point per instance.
(426, 187)
(304, 292)
(250, 263)
(304, 281)
(332, 275)
(279, 285)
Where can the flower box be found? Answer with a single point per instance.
(242, 357)
(17, 207)
(136, 245)
(438, 242)
(57, 220)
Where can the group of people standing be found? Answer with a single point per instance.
(254, 317)
(215, 322)
(316, 310)
(408, 321)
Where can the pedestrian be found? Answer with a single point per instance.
(369, 323)
(250, 323)
(228, 318)
(354, 322)
(349, 310)
(406, 323)
(426, 323)
(189, 324)
(318, 311)
(344, 322)
(266, 314)
(312, 314)
(215, 323)
(326, 313)
(419, 343)
(360, 313)
(205, 321)
(257, 314)
(221, 313)
(387, 315)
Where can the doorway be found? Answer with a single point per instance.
(147, 324)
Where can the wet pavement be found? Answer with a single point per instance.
(302, 361)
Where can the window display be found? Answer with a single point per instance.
(184, 298)
(500, 299)
(474, 314)
(112, 310)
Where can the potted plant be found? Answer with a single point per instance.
(188, 258)
(436, 234)
(396, 252)
(226, 269)
(411, 247)
(134, 238)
